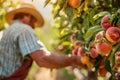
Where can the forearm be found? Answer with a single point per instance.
(53, 60)
(57, 60)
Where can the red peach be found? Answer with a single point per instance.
(99, 35)
(102, 72)
(113, 34)
(75, 51)
(73, 36)
(93, 53)
(74, 3)
(77, 44)
(102, 64)
(81, 51)
(104, 23)
(103, 48)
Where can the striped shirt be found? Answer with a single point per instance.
(17, 42)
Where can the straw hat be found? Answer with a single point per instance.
(26, 8)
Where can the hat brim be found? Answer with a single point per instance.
(39, 23)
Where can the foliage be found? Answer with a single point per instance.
(5, 5)
(84, 22)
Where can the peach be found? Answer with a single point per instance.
(103, 48)
(105, 23)
(113, 34)
(85, 59)
(74, 3)
(102, 64)
(73, 36)
(99, 35)
(81, 51)
(77, 44)
(102, 72)
(75, 51)
(93, 53)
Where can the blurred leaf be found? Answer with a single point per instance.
(97, 62)
(65, 43)
(90, 32)
(69, 11)
(107, 65)
(100, 14)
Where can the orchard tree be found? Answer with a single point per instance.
(90, 29)
(5, 6)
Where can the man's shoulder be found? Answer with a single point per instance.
(20, 25)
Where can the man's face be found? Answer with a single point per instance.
(27, 19)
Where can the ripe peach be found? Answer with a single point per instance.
(105, 23)
(93, 53)
(77, 44)
(75, 51)
(73, 36)
(90, 65)
(113, 34)
(74, 3)
(81, 51)
(103, 48)
(99, 35)
(85, 59)
(102, 64)
(102, 72)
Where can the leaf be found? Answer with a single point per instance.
(69, 12)
(66, 43)
(97, 62)
(79, 36)
(107, 65)
(100, 14)
(90, 32)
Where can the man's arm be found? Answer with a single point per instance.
(54, 60)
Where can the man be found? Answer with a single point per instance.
(19, 45)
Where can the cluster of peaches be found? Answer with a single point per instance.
(102, 45)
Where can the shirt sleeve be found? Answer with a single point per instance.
(28, 42)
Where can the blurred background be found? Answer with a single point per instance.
(47, 34)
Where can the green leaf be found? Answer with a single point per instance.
(79, 36)
(107, 65)
(100, 14)
(97, 62)
(69, 11)
(90, 32)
